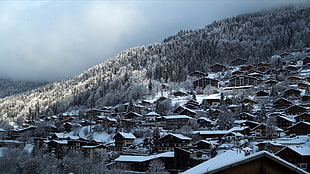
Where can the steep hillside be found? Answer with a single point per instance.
(11, 87)
(126, 76)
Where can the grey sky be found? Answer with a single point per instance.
(53, 40)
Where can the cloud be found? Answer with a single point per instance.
(52, 40)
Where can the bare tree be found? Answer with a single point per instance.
(156, 167)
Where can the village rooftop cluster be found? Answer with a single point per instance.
(233, 118)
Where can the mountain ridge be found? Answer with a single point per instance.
(126, 76)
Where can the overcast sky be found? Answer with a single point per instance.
(54, 40)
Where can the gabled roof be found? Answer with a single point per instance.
(232, 158)
(131, 158)
(152, 114)
(179, 136)
(177, 117)
(126, 135)
(302, 122)
(301, 150)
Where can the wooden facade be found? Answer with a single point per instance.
(296, 156)
(218, 68)
(204, 82)
(282, 104)
(242, 81)
(238, 61)
(301, 128)
(170, 141)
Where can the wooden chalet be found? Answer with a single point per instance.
(198, 74)
(94, 112)
(18, 132)
(172, 122)
(306, 60)
(297, 155)
(238, 61)
(204, 122)
(246, 116)
(262, 94)
(204, 144)
(269, 146)
(123, 139)
(212, 100)
(237, 73)
(303, 117)
(303, 85)
(246, 68)
(236, 162)
(294, 80)
(180, 94)
(140, 163)
(132, 115)
(300, 128)
(170, 141)
(282, 103)
(232, 137)
(292, 68)
(293, 93)
(95, 151)
(284, 122)
(192, 104)
(295, 110)
(202, 83)
(249, 101)
(261, 132)
(271, 83)
(105, 120)
(218, 68)
(305, 99)
(183, 110)
(151, 116)
(242, 81)
(214, 113)
(257, 75)
(247, 123)
(216, 134)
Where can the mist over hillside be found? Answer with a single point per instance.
(11, 87)
(138, 72)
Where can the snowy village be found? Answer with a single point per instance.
(228, 93)
(233, 118)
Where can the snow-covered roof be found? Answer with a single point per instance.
(61, 141)
(112, 119)
(131, 158)
(234, 129)
(287, 118)
(127, 135)
(301, 150)
(227, 159)
(214, 132)
(180, 136)
(204, 118)
(152, 114)
(177, 117)
(213, 96)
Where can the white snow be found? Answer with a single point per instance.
(131, 158)
(127, 135)
(232, 157)
(180, 136)
(219, 161)
(177, 117)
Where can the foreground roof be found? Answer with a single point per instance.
(233, 158)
